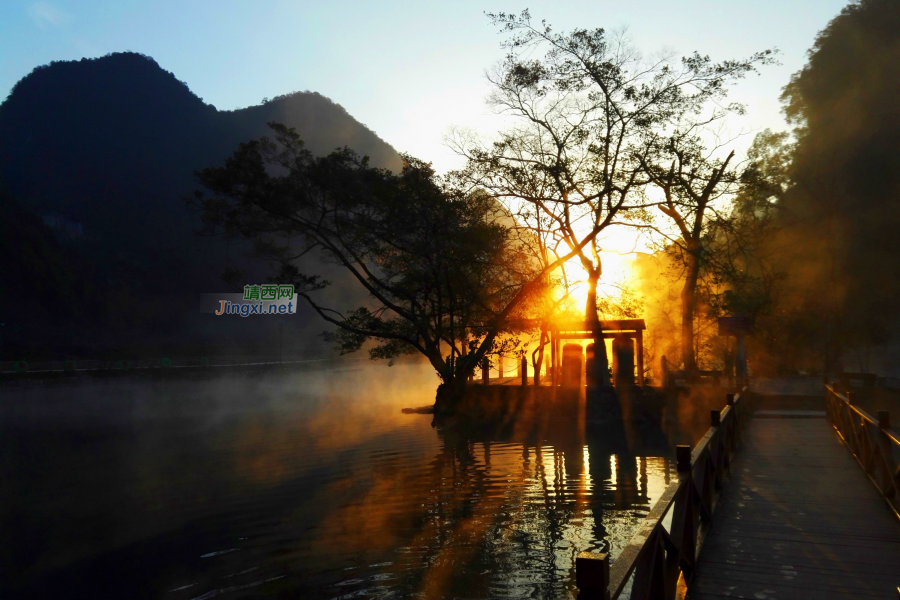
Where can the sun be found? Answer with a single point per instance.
(617, 270)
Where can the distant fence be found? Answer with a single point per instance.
(659, 561)
(873, 443)
(163, 362)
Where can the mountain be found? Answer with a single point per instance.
(103, 152)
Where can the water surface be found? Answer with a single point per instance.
(302, 485)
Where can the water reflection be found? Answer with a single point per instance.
(309, 485)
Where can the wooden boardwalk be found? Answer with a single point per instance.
(798, 519)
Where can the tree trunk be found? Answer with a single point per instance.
(688, 308)
(454, 376)
(538, 356)
(454, 387)
(449, 394)
(601, 359)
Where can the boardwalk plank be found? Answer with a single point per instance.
(798, 519)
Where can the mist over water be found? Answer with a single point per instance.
(300, 485)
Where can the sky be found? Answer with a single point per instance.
(407, 70)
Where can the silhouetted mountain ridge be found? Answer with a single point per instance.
(104, 151)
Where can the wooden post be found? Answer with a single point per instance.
(500, 366)
(485, 371)
(740, 357)
(583, 368)
(683, 456)
(465, 353)
(523, 365)
(640, 357)
(715, 417)
(884, 423)
(558, 360)
(592, 576)
(665, 373)
(552, 359)
(729, 399)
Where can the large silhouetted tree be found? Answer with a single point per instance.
(445, 270)
(587, 107)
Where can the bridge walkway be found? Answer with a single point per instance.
(798, 518)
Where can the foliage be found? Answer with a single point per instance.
(592, 118)
(846, 173)
(588, 113)
(443, 269)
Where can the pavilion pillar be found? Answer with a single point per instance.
(553, 358)
(639, 338)
(558, 361)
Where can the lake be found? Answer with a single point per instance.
(304, 485)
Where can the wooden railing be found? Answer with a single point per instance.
(873, 443)
(658, 562)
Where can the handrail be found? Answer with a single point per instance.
(662, 558)
(873, 443)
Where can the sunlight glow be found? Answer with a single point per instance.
(618, 249)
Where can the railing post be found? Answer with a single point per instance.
(715, 417)
(850, 396)
(683, 458)
(592, 576)
(732, 432)
(524, 371)
(884, 445)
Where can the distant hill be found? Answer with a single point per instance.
(103, 151)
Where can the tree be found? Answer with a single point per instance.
(690, 184)
(845, 171)
(586, 113)
(444, 269)
(754, 259)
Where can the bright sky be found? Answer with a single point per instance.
(408, 70)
